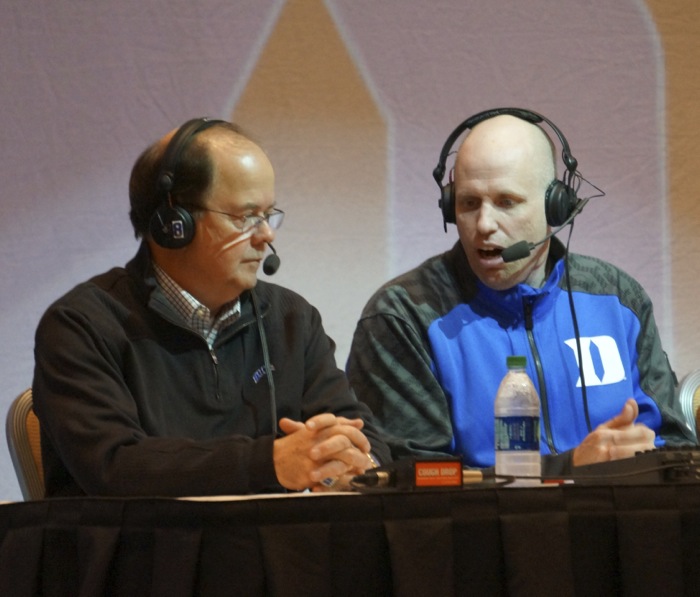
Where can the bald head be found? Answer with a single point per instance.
(507, 135)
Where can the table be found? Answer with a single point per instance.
(564, 540)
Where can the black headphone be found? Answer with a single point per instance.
(560, 198)
(172, 226)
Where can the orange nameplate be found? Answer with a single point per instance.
(438, 473)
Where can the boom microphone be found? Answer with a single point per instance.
(272, 262)
(519, 250)
(522, 249)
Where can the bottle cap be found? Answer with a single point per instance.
(518, 362)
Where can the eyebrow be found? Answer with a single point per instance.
(252, 206)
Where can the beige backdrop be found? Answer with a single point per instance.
(353, 100)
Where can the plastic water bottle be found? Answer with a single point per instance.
(517, 425)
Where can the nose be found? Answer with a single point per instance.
(264, 232)
(486, 219)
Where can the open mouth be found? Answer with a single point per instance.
(489, 253)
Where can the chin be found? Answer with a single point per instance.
(498, 284)
(499, 280)
(248, 282)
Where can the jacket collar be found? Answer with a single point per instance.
(509, 303)
(140, 269)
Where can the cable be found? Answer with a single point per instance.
(577, 334)
(266, 360)
(574, 320)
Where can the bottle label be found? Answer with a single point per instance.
(518, 433)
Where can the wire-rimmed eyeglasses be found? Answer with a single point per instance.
(273, 218)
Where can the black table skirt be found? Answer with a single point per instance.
(567, 540)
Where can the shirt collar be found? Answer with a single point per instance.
(196, 316)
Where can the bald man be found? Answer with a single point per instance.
(430, 347)
(182, 374)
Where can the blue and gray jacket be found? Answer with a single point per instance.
(430, 350)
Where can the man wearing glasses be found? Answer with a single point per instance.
(182, 374)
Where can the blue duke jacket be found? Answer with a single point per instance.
(430, 350)
(132, 402)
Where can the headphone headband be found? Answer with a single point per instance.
(171, 157)
(528, 115)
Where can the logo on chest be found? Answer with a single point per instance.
(260, 373)
(602, 363)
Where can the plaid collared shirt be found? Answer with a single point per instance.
(195, 315)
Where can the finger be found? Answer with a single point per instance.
(288, 426)
(627, 450)
(337, 439)
(322, 421)
(329, 469)
(354, 461)
(626, 417)
(360, 462)
(359, 423)
(329, 448)
(637, 436)
(353, 434)
(632, 403)
(326, 420)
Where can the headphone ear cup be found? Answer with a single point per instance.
(447, 203)
(559, 203)
(172, 226)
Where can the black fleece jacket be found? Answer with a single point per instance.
(131, 402)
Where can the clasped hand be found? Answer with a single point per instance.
(323, 447)
(620, 437)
